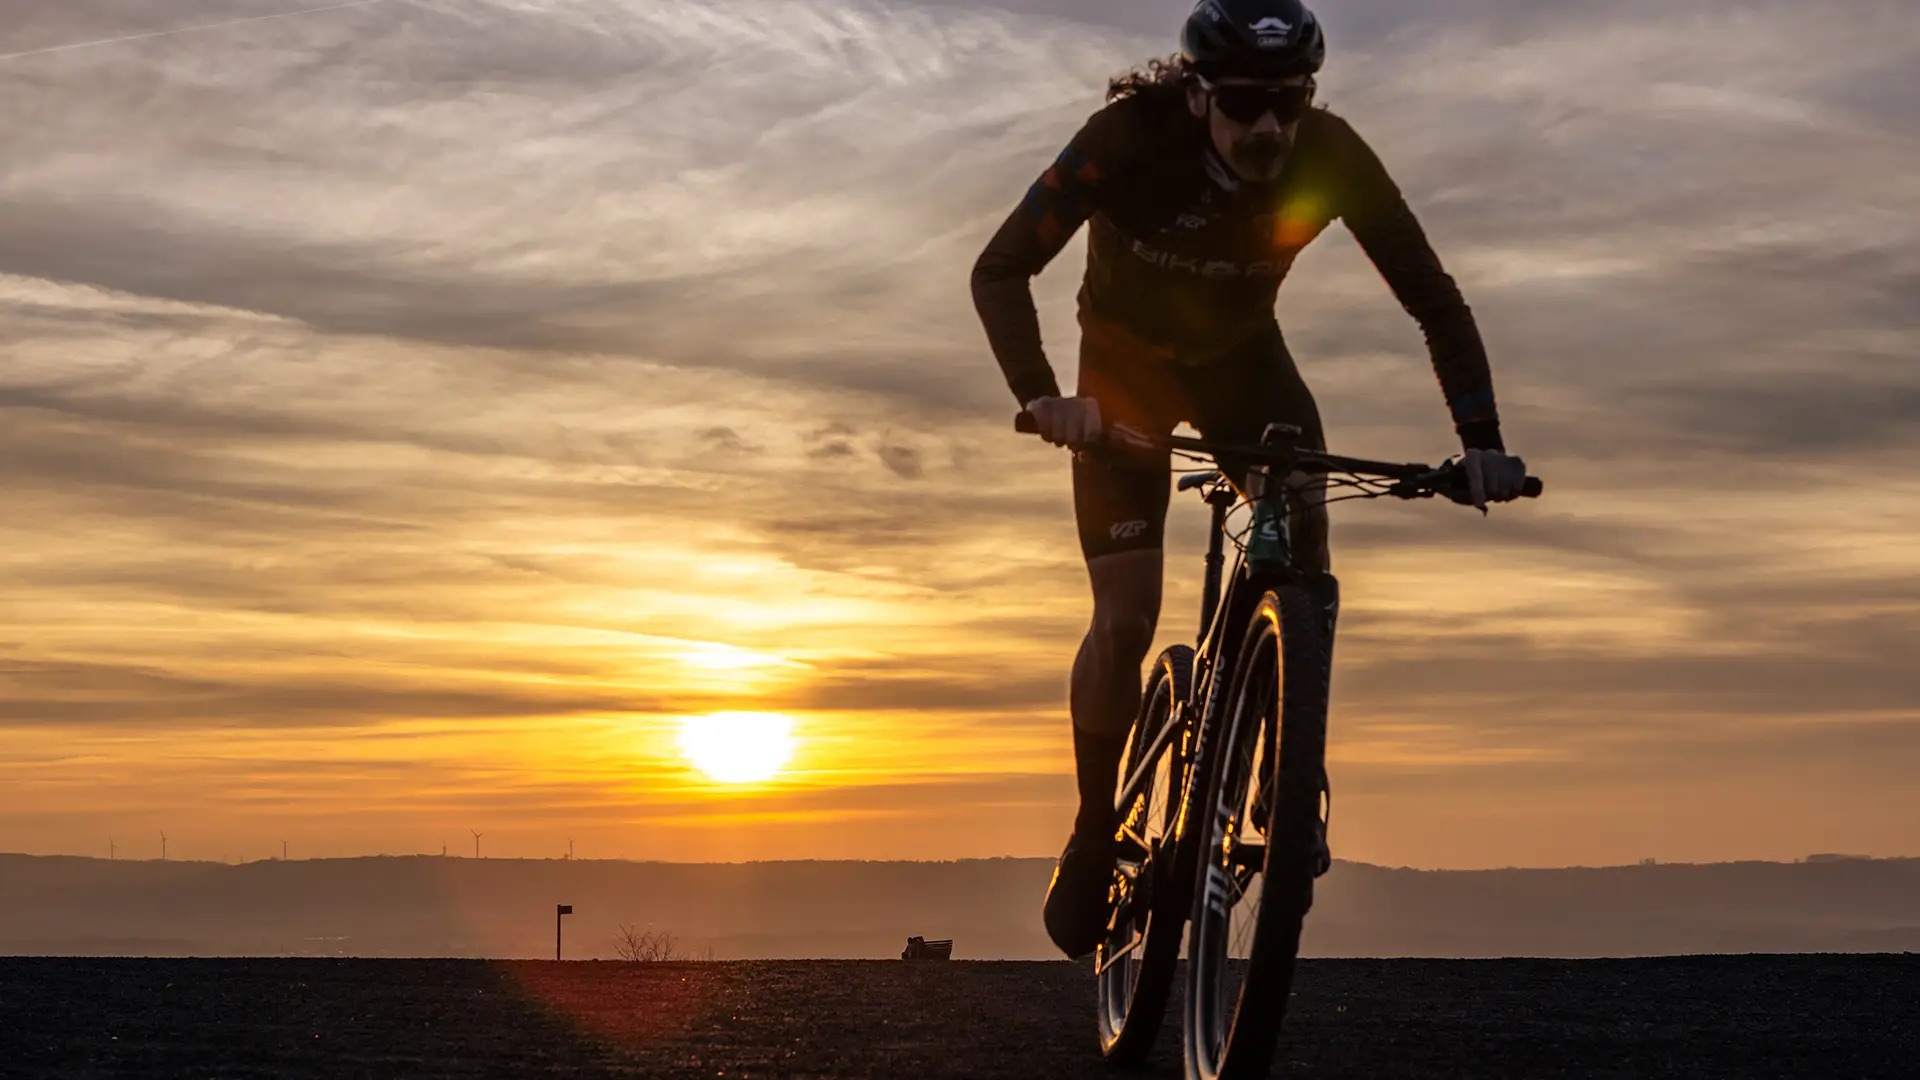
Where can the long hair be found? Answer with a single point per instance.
(1158, 78)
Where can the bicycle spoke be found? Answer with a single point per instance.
(1246, 859)
(1239, 891)
(1124, 951)
(1245, 924)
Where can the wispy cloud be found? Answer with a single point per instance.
(487, 364)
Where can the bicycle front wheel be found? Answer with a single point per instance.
(1262, 840)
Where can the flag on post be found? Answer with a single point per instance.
(566, 909)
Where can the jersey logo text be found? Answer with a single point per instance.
(1214, 269)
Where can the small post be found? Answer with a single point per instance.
(560, 911)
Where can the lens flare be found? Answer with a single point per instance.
(738, 747)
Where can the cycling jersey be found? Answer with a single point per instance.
(1185, 259)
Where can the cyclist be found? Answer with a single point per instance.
(1202, 178)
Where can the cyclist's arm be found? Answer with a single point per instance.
(1064, 197)
(1384, 225)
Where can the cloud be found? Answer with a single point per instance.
(491, 363)
(902, 461)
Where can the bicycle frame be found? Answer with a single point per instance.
(1217, 610)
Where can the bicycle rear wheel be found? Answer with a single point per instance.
(1136, 961)
(1262, 841)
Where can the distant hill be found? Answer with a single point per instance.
(439, 906)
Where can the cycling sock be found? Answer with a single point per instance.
(1096, 764)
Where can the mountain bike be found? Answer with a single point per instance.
(1224, 799)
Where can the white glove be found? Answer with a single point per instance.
(1067, 421)
(1493, 476)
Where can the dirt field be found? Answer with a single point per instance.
(1826, 1017)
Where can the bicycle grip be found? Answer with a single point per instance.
(1025, 424)
(1456, 487)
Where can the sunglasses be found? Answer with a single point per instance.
(1245, 103)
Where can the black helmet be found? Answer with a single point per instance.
(1253, 39)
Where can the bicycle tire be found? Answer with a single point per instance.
(1279, 688)
(1131, 990)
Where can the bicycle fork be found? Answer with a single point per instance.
(1270, 548)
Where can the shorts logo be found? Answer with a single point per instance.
(1129, 530)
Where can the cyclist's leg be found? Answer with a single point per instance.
(1105, 691)
(1235, 401)
(1120, 506)
(1257, 386)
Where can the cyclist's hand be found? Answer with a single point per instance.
(1493, 477)
(1067, 421)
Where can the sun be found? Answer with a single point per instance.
(738, 747)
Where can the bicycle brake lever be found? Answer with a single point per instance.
(1410, 489)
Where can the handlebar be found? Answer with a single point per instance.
(1413, 480)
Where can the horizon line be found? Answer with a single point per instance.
(1815, 859)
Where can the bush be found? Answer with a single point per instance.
(655, 947)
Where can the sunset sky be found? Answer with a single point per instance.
(412, 411)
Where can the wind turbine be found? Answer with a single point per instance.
(113, 849)
(163, 847)
(283, 851)
(476, 842)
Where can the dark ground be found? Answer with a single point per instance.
(1798, 1016)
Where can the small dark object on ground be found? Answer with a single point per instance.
(1753, 1017)
(919, 948)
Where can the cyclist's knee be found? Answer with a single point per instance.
(1126, 608)
(1310, 541)
(1123, 636)
(1310, 528)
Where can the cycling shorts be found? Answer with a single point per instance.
(1120, 502)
